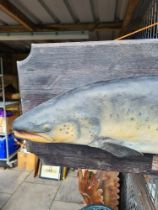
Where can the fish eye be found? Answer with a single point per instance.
(46, 127)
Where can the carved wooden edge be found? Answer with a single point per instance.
(82, 44)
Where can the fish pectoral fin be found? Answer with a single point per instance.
(114, 147)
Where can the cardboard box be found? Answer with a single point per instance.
(27, 160)
(11, 116)
(21, 160)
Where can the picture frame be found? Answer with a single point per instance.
(50, 172)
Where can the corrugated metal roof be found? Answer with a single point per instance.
(82, 9)
(33, 10)
(70, 11)
(104, 10)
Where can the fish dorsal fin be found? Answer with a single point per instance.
(114, 147)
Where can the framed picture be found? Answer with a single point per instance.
(50, 172)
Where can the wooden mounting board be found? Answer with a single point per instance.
(52, 69)
(76, 156)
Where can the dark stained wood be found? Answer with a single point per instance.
(52, 69)
(77, 156)
(138, 14)
(132, 5)
(101, 26)
(16, 14)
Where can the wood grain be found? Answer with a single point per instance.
(52, 69)
(77, 156)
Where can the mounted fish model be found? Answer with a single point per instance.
(118, 116)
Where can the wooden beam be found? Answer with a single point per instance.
(132, 5)
(103, 26)
(138, 14)
(77, 156)
(16, 14)
(85, 26)
(29, 36)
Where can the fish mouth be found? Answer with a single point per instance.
(36, 137)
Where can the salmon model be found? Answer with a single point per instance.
(119, 116)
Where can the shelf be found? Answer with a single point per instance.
(8, 104)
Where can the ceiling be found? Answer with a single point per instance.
(101, 19)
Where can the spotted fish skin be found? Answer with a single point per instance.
(124, 111)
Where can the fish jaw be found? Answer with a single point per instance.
(35, 137)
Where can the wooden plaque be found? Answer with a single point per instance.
(51, 69)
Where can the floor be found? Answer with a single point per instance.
(19, 190)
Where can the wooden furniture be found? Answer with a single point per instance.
(52, 69)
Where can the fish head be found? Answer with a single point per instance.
(47, 123)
